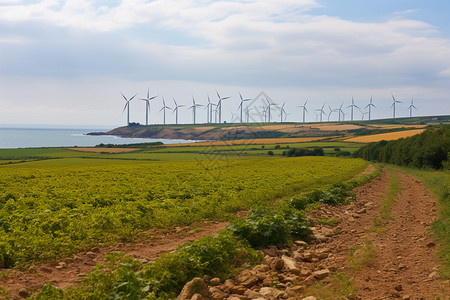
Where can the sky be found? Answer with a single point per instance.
(67, 62)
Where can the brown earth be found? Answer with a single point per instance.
(403, 265)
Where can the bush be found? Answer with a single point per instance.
(270, 153)
(271, 226)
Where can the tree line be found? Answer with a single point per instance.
(430, 149)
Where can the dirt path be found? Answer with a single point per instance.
(70, 271)
(405, 262)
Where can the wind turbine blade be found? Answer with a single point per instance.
(132, 98)
(124, 97)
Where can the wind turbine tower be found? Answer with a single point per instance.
(164, 109)
(393, 104)
(147, 105)
(127, 107)
(411, 106)
(321, 112)
(352, 106)
(176, 110)
(219, 105)
(194, 107)
(242, 103)
(268, 107)
(370, 105)
(304, 109)
(282, 111)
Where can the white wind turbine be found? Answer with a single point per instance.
(127, 107)
(147, 105)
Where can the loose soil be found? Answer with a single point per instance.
(403, 264)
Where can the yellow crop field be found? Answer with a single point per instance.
(384, 136)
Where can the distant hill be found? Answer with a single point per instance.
(225, 131)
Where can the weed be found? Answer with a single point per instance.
(340, 287)
(327, 221)
(361, 256)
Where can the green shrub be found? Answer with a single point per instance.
(271, 226)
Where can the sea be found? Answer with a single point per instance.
(54, 137)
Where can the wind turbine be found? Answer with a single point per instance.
(233, 116)
(393, 104)
(353, 106)
(208, 108)
(147, 105)
(411, 107)
(194, 107)
(268, 107)
(247, 113)
(370, 105)
(363, 113)
(341, 111)
(304, 109)
(127, 106)
(164, 109)
(282, 111)
(176, 110)
(329, 114)
(321, 112)
(242, 102)
(219, 105)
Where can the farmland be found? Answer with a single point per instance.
(54, 207)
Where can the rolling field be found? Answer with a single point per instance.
(55, 207)
(385, 136)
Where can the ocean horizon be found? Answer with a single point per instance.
(22, 137)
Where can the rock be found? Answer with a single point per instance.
(24, 293)
(301, 244)
(268, 292)
(406, 297)
(195, 286)
(290, 264)
(247, 278)
(399, 288)
(271, 251)
(238, 289)
(362, 211)
(216, 293)
(261, 268)
(250, 294)
(214, 281)
(309, 298)
(266, 282)
(96, 249)
(199, 297)
(307, 256)
(277, 264)
(327, 232)
(321, 274)
(32, 269)
(309, 280)
(433, 275)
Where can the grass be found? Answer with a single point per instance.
(340, 287)
(439, 183)
(361, 255)
(327, 221)
(394, 189)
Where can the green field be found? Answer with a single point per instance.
(54, 207)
